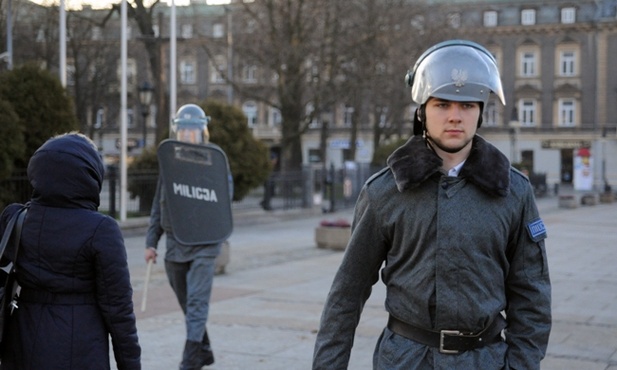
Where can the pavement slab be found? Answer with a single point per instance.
(265, 309)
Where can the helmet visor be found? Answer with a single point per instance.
(190, 134)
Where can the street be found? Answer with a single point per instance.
(265, 309)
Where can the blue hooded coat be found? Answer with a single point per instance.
(72, 266)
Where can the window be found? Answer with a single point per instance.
(249, 73)
(250, 111)
(567, 64)
(187, 72)
(568, 15)
(274, 117)
(528, 17)
(187, 31)
(215, 75)
(417, 23)
(314, 155)
(490, 18)
(310, 111)
(251, 26)
(567, 110)
(528, 112)
(348, 116)
(313, 75)
(100, 118)
(218, 30)
(70, 73)
(130, 118)
(528, 64)
(97, 33)
(454, 20)
(383, 116)
(131, 71)
(40, 35)
(156, 29)
(491, 114)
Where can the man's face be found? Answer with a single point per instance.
(451, 125)
(191, 135)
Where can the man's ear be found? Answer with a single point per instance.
(418, 122)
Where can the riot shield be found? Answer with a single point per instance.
(196, 181)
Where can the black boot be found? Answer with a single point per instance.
(206, 350)
(187, 355)
(194, 356)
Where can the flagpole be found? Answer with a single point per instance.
(172, 62)
(9, 36)
(123, 112)
(62, 60)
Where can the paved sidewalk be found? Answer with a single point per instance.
(265, 310)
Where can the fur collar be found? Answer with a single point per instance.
(413, 163)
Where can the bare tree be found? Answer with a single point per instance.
(144, 19)
(293, 43)
(93, 62)
(389, 35)
(319, 53)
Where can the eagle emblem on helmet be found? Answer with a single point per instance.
(459, 76)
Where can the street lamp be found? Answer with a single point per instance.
(145, 98)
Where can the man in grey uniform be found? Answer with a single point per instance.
(455, 232)
(190, 268)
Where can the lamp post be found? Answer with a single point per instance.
(515, 127)
(145, 98)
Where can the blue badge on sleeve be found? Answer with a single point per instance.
(537, 230)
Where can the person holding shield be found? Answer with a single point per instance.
(190, 268)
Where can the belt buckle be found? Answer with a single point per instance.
(442, 335)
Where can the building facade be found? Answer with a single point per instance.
(559, 81)
(556, 59)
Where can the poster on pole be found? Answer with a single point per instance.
(583, 169)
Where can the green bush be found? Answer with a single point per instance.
(142, 176)
(248, 157)
(11, 139)
(33, 107)
(41, 103)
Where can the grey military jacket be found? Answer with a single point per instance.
(454, 253)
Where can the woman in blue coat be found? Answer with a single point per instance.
(72, 267)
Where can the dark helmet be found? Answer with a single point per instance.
(190, 125)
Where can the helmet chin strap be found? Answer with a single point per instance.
(430, 142)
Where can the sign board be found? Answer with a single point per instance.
(565, 144)
(196, 181)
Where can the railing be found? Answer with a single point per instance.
(314, 186)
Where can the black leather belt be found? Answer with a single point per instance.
(41, 296)
(449, 341)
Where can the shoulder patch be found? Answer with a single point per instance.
(536, 230)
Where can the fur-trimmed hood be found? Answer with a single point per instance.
(486, 167)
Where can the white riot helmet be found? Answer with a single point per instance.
(456, 70)
(190, 125)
